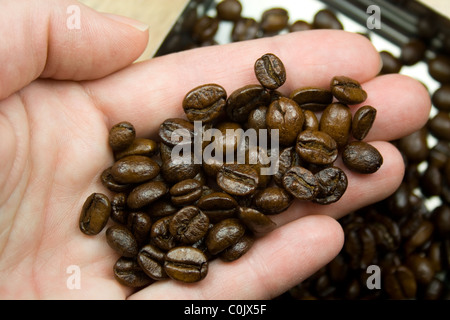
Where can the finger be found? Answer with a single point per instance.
(150, 92)
(274, 264)
(62, 40)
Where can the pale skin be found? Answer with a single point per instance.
(61, 91)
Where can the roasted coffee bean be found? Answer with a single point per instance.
(363, 121)
(112, 185)
(441, 98)
(186, 192)
(229, 10)
(238, 179)
(258, 159)
(413, 52)
(441, 219)
(146, 193)
(347, 90)
(242, 101)
(301, 183)
(431, 181)
(300, 25)
(420, 236)
(238, 249)
(399, 283)
(160, 234)
(224, 234)
(312, 98)
(122, 240)
(245, 29)
(274, 20)
(336, 121)
(439, 68)
(151, 260)
(139, 223)
(439, 125)
(326, 19)
(434, 290)
(288, 158)
(257, 118)
(134, 169)
(415, 146)
(270, 71)
(285, 116)
(256, 221)
(128, 273)
(385, 230)
(316, 147)
(94, 214)
(229, 138)
(218, 206)
(272, 200)
(391, 64)
(421, 267)
(176, 170)
(161, 208)
(121, 135)
(205, 28)
(119, 211)
(139, 147)
(360, 245)
(311, 121)
(332, 183)
(186, 264)
(205, 103)
(189, 225)
(362, 157)
(176, 130)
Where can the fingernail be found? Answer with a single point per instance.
(125, 20)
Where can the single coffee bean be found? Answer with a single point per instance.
(270, 71)
(229, 10)
(121, 135)
(419, 237)
(441, 98)
(176, 130)
(274, 20)
(256, 221)
(229, 138)
(139, 223)
(316, 147)
(391, 64)
(399, 283)
(347, 90)
(439, 68)
(421, 267)
(237, 250)
(311, 121)
(186, 264)
(431, 181)
(288, 158)
(205, 103)
(122, 240)
(189, 225)
(218, 206)
(285, 116)
(336, 121)
(128, 273)
(257, 119)
(160, 234)
(238, 179)
(272, 200)
(119, 211)
(94, 214)
(312, 98)
(301, 183)
(300, 25)
(161, 208)
(360, 245)
(224, 234)
(245, 29)
(176, 170)
(134, 169)
(439, 125)
(139, 147)
(205, 28)
(332, 183)
(362, 157)
(146, 193)
(413, 52)
(441, 219)
(111, 184)
(363, 121)
(243, 100)
(186, 192)
(326, 19)
(151, 260)
(415, 146)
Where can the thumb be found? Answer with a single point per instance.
(63, 39)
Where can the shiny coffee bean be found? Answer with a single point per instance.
(176, 170)
(186, 192)
(336, 121)
(139, 223)
(316, 147)
(301, 183)
(242, 101)
(347, 90)
(122, 240)
(224, 234)
(186, 264)
(160, 234)
(326, 19)
(270, 71)
(245, 29)
(439, 125)
(146, 193)
(139, 147)
(362, 157)
(94, 214)
(391, 64)
(161, 208)
(111, 184)
(119, 211)
(441, 98)
(205, 103)
(288, 158)
(121, 135)
(218, 206)
(285, 116)
(257, 118)
(399, 283)
(134, 169)
(431, 181)
(229, 10)
(311, 121)
(332, 183)
(363, 121)
(272, 200)
(439, 68)
(256, 221)
(312, 98)
(176, 130)
(238, 179)
(128, 273)
(274, 20)
(441, 219)
(237, 250)
(151, 260)
(189, 225)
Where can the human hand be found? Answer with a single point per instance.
(61, 91)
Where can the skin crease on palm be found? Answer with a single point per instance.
(61, 91)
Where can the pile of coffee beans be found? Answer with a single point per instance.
(175, 208)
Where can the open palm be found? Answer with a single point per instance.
(60, 93)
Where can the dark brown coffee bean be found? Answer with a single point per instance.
(311, 121)
(399, 283)
(439, 68)
(336, 121)
(431, 181)
(229, 10)
(362, 157)
(415, 146)
(160, 234)
(421, 267)
(151, 260)
(237, 250)
(186, 264)
(134, 169)
(122, 240)
(205, 28)
(272, 200)
(363, 121)
(391, 64)
(285, 116)
(270, 71)
(413, 52)
(161, 208)
(245, 29)
(257, 119)
(139, 147)
(121, 135)
(128, 273)
(274, 20)
(139, 223)
(300, 25)
(332, 183)
(176, 170)
(146, 193)
(420, 236)
(326, 19)
(94, 214)
(186, 192)
(119, 211)
(242, 101)
(176, 130)
(288, 158)
(441, 98)
(439, 125)
(205, 103)
(229, 138)
(218, 206)
(189, 225)
(238, 179)
(441, 219)
(347, 90)
(301, 183)
(256, 221)
(360, 245)
(111, 184)
(316, 147)
(224, 234)
(312, 98)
